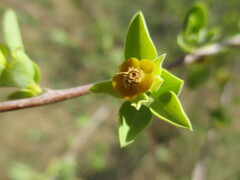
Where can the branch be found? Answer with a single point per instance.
(52, 96)
(48, 97)
(206, 51)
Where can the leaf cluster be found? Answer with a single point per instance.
(16, 68)
(195, 33)
(162, 98)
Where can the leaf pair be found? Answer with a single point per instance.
(16, 68)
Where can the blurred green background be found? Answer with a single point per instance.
(76, 42)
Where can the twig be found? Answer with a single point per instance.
(53, 96)
(48, 97)
(206, 51)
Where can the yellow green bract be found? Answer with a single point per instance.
(135, 77)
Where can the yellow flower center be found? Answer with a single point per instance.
(135, 77)
(132, 77)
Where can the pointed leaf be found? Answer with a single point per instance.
(22, 70)
(138, 101)
(138, 42)
(170, 83)
(11, 31)
(132, 122)
(157, 72)
(168, 108)
(104, 87)
(158, 64)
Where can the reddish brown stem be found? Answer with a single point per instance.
(48, 97)
(206, 51)
(53, 96)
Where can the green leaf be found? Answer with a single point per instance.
(206, 36)
(168, 108)
(184, 45)
(132, 122)
(194, 33)
(6, 78)
(138, 42)
(1, 69)
(37, 73)
(23, 93)
(170, 83)
(138, 101)
(157, 72)
(11, 31)
(5, 51)
(22, 70)
(156, 84)
(158, 65)
(195, 19)
(104, 87)
(3, 62)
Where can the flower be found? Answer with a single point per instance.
(135, 77)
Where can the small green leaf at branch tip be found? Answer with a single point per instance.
(195, 34)
(138, 42)
(11, 31)
(104, 88)
(195, 18)
(132, 122)
(167, 107)
(138, 101)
